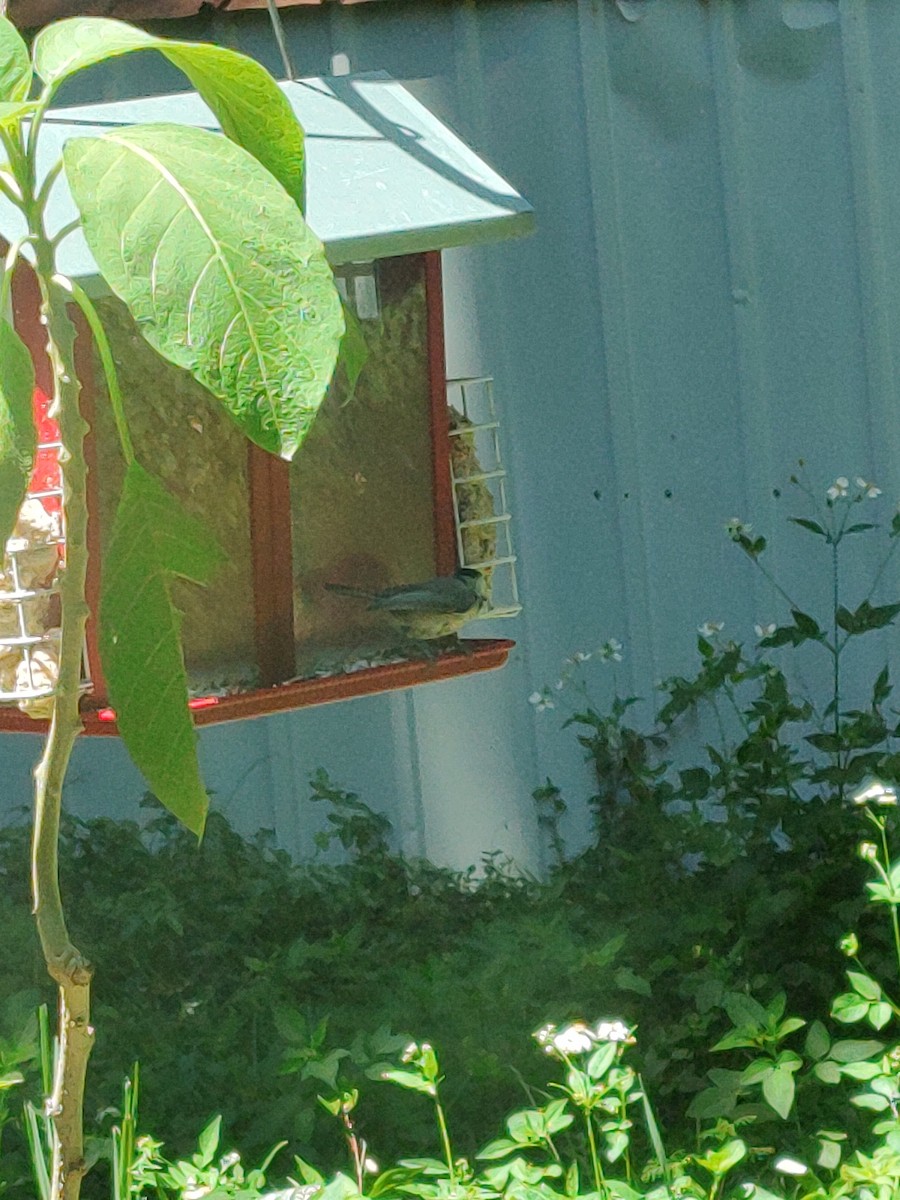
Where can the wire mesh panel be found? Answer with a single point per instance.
(29, 580)
(480, 508)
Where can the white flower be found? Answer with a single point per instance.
(876, 793)
(790, 1166)
(195, 1192)
(736, 528)
(409, 1052)
(581, 656)
(869, 490)
(613, 1031)
(370, 1166)
(867, 851)
(839, 488)
(764, 631)
(540, 701)
(611, 651)
(573, 1039)
(710, 628)
(229, 1160)
(544, 1035)
(559, 685)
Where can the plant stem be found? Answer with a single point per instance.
(65, 963)
(101, 341)
(836, 654)
(881, 570)
(445, 1141)
(895, 924)
(596, 1166)
(770, 578)
(357, 1149)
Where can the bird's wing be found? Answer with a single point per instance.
(344, 589)
(445, 596)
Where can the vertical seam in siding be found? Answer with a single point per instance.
(756, 421)
(414, 837)
(870, 240)
(615, 326)
(281, 739)
(470, 83)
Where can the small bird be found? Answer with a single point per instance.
(429, 610)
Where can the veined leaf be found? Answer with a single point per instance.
(248, 103)
(865, 985)
(354, 351)
(812, 526)
(208, 1142)
(15, 110)
(818, 1041)
(409, 1080)
(152, 540)
(855, 1050)
(15, 65)
(18, 438)
(720, 1161)
(219, 269)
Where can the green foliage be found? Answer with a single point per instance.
(15, 64)
(18, 439)
(203, 237)
(172, 216)
(152, 540)
(245, 99)
(703, 911)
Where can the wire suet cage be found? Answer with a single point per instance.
(480, 506)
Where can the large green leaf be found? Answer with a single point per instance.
(15, 65)
(15, 110)
(18, 439)
(250, 106)
(218, 268)
(353, 354)
(153, 539)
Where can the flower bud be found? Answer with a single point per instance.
(849, 945)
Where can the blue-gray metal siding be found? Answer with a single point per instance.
(711, 294)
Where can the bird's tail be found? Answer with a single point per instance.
(344, 589)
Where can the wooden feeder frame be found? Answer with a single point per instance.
(271, 548)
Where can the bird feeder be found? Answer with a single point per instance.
(400, 481)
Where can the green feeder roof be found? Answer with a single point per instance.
(384, 175)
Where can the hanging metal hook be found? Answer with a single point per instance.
(278, 30)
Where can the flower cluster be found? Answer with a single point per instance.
(609, 651)
(876, 792)
(710, 628)
(413, 1052)
(579, 1037)
(736, 528)
(840, 489)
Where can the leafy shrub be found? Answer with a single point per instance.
(246, 984)
(591, 1132)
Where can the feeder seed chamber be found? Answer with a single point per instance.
(398, 482)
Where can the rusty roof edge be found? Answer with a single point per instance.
(32, 14)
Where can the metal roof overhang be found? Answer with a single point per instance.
(384, 175)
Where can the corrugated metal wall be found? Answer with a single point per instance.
(712, 294)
